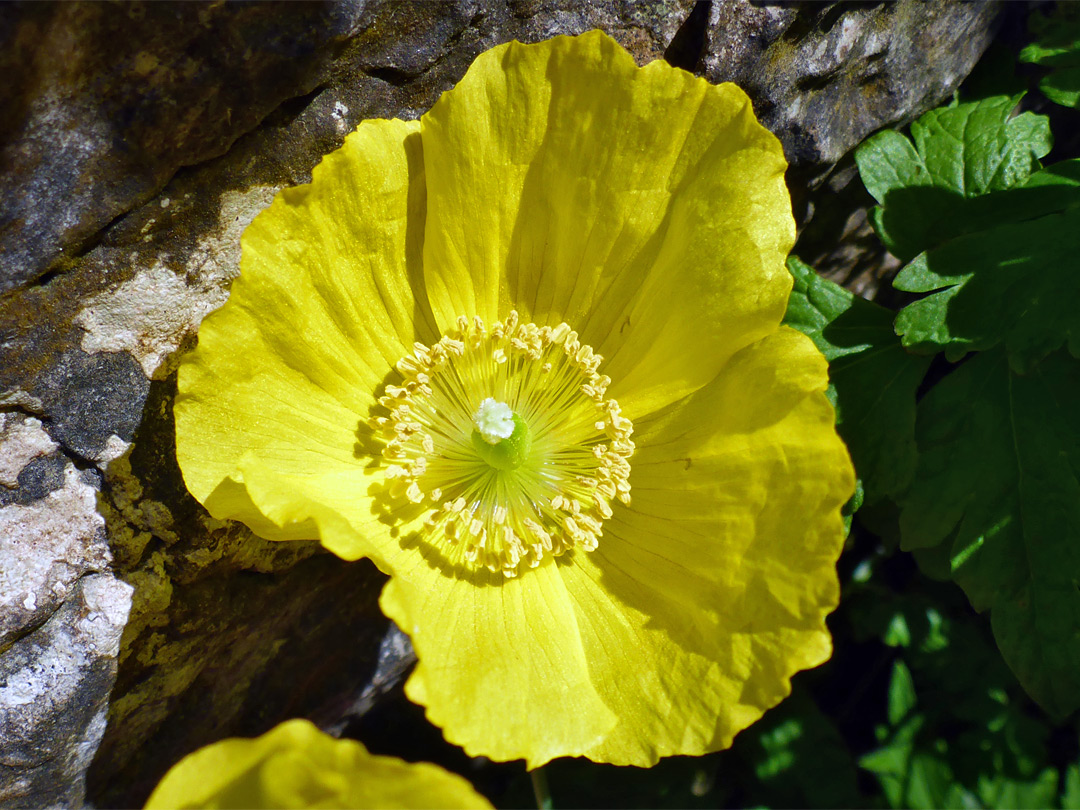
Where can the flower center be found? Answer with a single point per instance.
(501, 438)
(504, 436)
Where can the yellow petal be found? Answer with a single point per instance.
(501, 665)
(645, 207)
(294, 765)
(325, 304)
(335, 505)
(687, 622)
(713, 586)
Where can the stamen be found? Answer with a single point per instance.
(504, 436)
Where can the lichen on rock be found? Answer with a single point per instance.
(48, 546)
(54, 695)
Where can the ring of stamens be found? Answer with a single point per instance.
(576, 465)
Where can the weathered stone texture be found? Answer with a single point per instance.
(22, 440)
(61, 616)
(59, 678)
(101, 104)
(824, 76)
(49, 544)
(137, 141)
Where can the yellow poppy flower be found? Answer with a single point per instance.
(525, 354)
(294, 765)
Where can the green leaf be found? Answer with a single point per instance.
(999, 478)
(1001, 791)
(901, 693)
(959, 153)
(921, 776)
(1057, 37)
(1014, 282)
(1070, 797)
(791, 749)
(1062, 87)
(1057, 46)
(991, 755)
(958, 730)
(874, 378)
(915, 778)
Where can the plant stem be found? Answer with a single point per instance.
(540, 789)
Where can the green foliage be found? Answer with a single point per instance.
(956, 154)
(788, 752)
(918, 767)
(984, 230)
(957, 732)
(1070, 798)
(873, 378)
(1057, 46)
(982, 478)
(994, 503)
(1013, 282)
(997, 481)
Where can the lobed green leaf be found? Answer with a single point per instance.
(1015, 281)
(998, 480)
(957, 154)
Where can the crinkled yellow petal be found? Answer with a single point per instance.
(647, 209)
(334, 505)
(687, 622)
(501, 664)
(713, 586)
(644, 207)
(294, 765)
(286, 372)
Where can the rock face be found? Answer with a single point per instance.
(102, 105)
(59, 676)
(134, 627)
(64, 610)
(824, 76)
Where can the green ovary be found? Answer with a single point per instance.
(509, 453)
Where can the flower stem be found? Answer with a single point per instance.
(540, 789)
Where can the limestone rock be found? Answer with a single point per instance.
(21, 441)
(54, 692)
(126, 178)
(61, 616)
(824, 76)
(49, 544)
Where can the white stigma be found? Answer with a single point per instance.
(494, 421)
